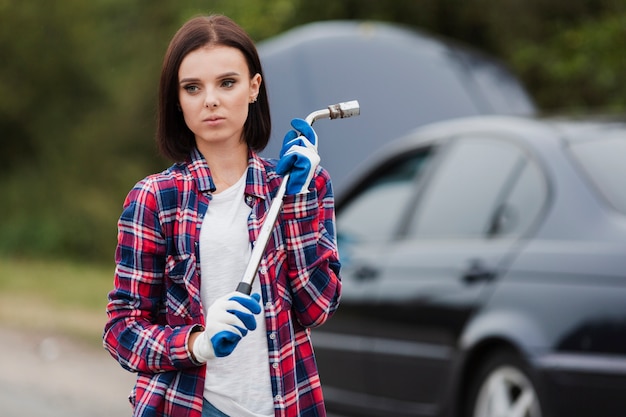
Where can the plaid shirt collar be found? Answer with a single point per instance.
(256, 184)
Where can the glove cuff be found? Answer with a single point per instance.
(305, 163)
(202, 350)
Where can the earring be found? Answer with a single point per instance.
(253, 100)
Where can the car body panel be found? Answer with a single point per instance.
(402, 79)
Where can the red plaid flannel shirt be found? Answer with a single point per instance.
(155, 302)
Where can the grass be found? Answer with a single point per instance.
(55, 296)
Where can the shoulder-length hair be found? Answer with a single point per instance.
(174, 139)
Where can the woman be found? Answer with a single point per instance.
(185, 235)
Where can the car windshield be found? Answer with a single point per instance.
(604, 162)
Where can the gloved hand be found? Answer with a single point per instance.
(228, 320)
(299, 157)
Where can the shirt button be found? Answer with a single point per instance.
(278, 398)
(268, 305)
(275, 365)
(253, 216)
(273, 336)
(248, 198)
(263, 270)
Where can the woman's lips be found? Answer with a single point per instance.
(213, 120)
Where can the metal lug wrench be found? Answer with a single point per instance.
(335, 111)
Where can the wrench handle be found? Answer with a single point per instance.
(335, 111)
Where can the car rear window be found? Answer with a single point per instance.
(604, 162)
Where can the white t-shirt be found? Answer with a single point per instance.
(238, 384)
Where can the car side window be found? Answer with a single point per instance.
(469, 191)
(523, 205)
(602, 160)
(374, 212)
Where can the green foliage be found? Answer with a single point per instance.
(62, 111)
(78, 88)
(579, 69)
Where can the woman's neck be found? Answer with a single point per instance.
(227, 164)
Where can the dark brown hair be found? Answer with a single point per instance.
(174, 138)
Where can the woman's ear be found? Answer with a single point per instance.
(255, 85)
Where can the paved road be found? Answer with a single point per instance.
(46, 376)
(51, 376)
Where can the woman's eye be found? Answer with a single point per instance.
(191, 88)
(228, 83)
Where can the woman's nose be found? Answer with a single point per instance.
(210, 100)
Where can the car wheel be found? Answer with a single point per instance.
(503, 387)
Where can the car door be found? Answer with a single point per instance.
(431, 276)
(372, 216)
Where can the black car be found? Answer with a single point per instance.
(484, 274)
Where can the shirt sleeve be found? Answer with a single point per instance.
(312, 258)
(133, 334)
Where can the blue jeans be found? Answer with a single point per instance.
(209, 411)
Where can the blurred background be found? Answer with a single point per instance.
(78, 87)
(78, 90)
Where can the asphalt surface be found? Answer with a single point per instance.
(52, 376)
(55, 376)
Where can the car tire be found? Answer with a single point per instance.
(503, 387)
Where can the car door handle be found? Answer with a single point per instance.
(366, 273)
(477, 272)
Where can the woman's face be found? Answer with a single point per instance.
(215, 89)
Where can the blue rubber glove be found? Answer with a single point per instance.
(299, 157)
(228, 320)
